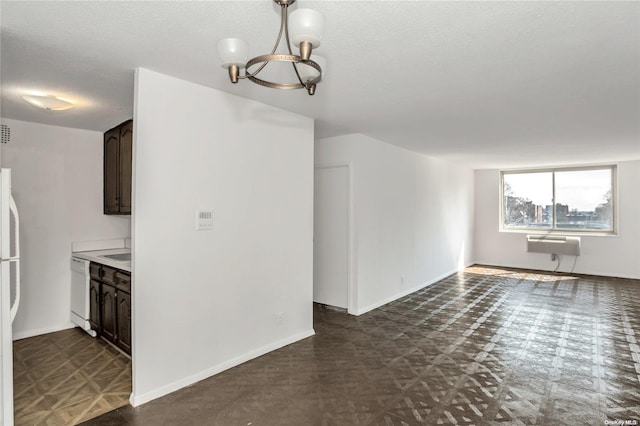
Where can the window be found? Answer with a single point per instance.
(566, 199)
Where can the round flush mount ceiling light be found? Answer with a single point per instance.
(48, 102)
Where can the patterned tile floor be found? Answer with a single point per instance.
(67, 377)
(488, 346)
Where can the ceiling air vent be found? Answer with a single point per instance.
(5, 133)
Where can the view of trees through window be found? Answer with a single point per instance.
(583, 199)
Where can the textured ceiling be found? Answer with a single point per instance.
(489, 84)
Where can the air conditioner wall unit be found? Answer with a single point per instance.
(553, 244)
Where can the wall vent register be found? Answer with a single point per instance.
(5, 133)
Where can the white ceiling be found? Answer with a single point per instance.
(489, 84)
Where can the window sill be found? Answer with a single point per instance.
(559, 232)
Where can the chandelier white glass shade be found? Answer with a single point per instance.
(233, 51)
(303, 28)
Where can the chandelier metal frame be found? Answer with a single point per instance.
(295, 60)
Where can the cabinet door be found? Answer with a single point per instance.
(124, 321)
(125, 159)
(111, 156)
(109, 312)
(94, 305)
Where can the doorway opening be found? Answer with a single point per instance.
(332, 237)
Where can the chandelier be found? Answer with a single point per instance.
(303, 28)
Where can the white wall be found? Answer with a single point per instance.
(205, 301)
(600, 255)
(57, 185)
(412, 217)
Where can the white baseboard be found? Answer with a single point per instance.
(136, 400)
(562, 270)
(31, 333)
(406, 292)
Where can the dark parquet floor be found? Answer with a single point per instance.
(488, 346)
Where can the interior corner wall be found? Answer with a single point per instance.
(57, 185)
(412, 214)
(204, 301)
(611, 255)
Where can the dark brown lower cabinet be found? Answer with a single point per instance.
(94, 305)
(124, 321)
(110, 308)
(109, 315)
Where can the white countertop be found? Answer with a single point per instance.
(96, 256)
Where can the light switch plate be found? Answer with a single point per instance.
(204, 220)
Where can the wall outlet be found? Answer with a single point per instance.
(554, 257)
(279, 318)
(401, 279)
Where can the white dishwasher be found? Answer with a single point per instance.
(80, 294)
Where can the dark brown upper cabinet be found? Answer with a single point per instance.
(118, 153)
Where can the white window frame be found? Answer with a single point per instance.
(553, 229)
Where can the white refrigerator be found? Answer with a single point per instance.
(9, 292)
